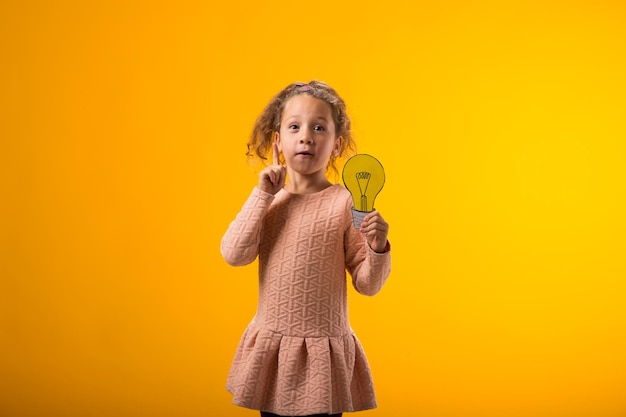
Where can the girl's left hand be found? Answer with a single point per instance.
(375, 229)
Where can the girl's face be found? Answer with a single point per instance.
(307, 135)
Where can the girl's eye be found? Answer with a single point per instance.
(293, 126)
(320, 128)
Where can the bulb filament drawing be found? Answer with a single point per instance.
(363, 180)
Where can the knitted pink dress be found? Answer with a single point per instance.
(298, 355)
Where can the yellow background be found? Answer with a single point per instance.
(501, 128)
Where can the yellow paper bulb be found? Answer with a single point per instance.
(364, 177)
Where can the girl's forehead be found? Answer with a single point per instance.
(304, 103)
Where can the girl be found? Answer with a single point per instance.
(299, 356)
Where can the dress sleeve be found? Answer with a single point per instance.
(240, 243)
(369, 269)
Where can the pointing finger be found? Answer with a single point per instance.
(276, 154)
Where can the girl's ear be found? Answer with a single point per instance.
(338, 142)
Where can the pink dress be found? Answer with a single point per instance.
(299, 355)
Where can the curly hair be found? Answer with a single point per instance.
(268, 123)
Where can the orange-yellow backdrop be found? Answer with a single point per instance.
(501, 127)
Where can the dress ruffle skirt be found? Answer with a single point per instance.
(289, 375)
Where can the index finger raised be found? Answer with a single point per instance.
(276, 154)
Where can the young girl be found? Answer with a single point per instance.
(299, 356)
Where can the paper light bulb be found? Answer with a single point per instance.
(364, 177)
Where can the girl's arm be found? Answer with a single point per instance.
(240, 243)
(369, 269)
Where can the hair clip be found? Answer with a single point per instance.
(304, 87)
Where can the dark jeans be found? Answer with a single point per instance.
(266, 414)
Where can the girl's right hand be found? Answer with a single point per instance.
(272, 178)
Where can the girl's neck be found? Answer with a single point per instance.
(307, 185)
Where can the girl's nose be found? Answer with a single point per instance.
(306, 138)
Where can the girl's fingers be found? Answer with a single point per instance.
(275, 176)
(272, 178)
(373, 219)
(374, 225)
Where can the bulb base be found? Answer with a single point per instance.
(357, 217)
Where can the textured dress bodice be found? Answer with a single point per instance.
(299, 355)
